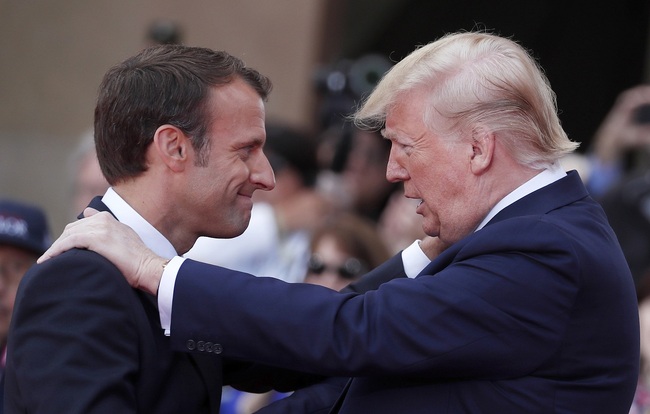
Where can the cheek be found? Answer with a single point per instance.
(430, 182)
(217, 177)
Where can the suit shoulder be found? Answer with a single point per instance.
(76, 269)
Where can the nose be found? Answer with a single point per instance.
(262, 174)
(395, 172)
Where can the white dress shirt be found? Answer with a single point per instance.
(151, 237)
(413, 257)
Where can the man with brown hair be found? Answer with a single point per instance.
(179, 133)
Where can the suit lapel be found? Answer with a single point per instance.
(208, 366)
(339, 401)
(97, 204)
(555, 195)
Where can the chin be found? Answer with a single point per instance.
(430, 230)
(238, 230)
(224, 232)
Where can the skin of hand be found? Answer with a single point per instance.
(618, 131)
(432, 246)
(305, 210)
(102, 233)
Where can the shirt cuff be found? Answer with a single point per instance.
(414, 259)
(166, 292)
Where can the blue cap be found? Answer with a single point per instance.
(24, 226)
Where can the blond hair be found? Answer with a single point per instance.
(478, 79)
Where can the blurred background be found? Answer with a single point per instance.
(321, 55)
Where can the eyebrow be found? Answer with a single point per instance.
(387, 134)
(257, 141)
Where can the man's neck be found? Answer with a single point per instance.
(535, 181)
(128, 213)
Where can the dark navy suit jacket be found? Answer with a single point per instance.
(535, 313)
(83, 341)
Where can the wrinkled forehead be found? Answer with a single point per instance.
(410, 106)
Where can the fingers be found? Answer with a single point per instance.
(89, 211)
(63, 243)
(102, 233)
(636, 96)
(81, 233)
(432, 246)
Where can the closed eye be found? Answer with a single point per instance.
(245, 152)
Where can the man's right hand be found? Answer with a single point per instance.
(102, 233)
(432, 246)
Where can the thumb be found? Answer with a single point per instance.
(89, 211)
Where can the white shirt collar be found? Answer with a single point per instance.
(544, 178)
(151, 237)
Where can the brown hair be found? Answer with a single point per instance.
(355, 235)
(165, 84)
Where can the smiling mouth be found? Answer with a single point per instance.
(420, 203)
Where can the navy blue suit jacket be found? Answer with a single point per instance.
(535, 313)
(83, 341)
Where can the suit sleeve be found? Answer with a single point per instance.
(72, 346)
(317, 399)
(320, 397)
(498, 309)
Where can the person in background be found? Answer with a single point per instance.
(520, 301)
(24, 236)
(353, 177)
(85, 174)
(620, 175)
(641, 404)
(343, 249)
(398, 226)
(621, 145)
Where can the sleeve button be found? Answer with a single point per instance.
(217, 348)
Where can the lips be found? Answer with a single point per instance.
(419, 207)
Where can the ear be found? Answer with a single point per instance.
(483, 143)
(172, 146)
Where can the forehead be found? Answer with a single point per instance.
(236, 109)
(405, 118)
(235, 96)
(328, 245)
